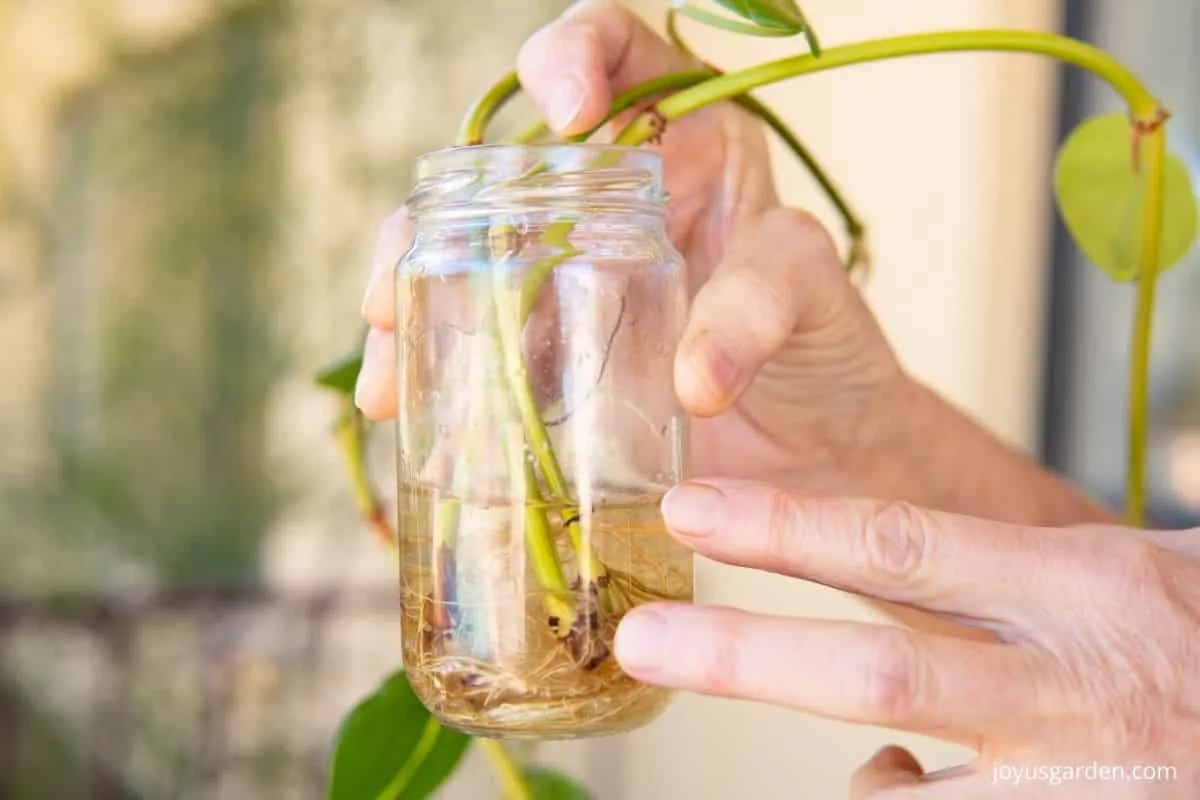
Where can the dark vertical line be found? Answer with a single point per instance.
(1061, 329)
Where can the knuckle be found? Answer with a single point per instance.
(895, 539)
(780, 537)
(896, 678)
(804, 226)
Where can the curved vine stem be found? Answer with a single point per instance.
(1142, 104)
(482, 110)
(623, 102)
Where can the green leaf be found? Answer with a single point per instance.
(391, 748)
(342, 374)
(1100, 197)
(734, 25)
(768, 13)
(767, 18)
(545, 784)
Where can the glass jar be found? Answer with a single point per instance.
(538, 313)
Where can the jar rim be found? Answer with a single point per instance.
(474, 180)
(460, 156)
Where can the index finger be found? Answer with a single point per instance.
(574, 66)
(945, 563)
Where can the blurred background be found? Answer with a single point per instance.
(189, 191)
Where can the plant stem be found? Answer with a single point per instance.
(854, 225)
(482, 110)
(1141, 102)
(622, 102)
(512, 781)
(1153, 158)
(350, 433)
(509, 302)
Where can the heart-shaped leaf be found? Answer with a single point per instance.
(342, 374)
(545, 784)
(1100, 196)
(391, 748)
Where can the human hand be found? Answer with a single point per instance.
(782, 366)
(1096, 655)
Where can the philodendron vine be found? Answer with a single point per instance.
(1128, 204)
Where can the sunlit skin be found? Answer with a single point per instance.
(803, 402)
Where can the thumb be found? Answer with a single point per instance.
(779, 275)
(891, 768)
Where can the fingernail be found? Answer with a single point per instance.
(692, 509)
(717, 367)
(564, 103)
(367, 378)
(641, 641)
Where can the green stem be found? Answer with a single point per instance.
(486, 107)
(623, 102)
(1141, 102)
(350, 432)
(539, 537)
(512, 781)
(854, 224)
(1153, 159)
(509, 303)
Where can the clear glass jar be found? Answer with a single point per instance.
(538, 313)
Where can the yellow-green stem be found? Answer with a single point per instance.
(539, 538)
(1141, 102)
(351, 437)
(509, 319)
(623, 102)
(483, 109)
(1152, 147)
(508, 772)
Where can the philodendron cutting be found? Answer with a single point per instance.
(541, 305)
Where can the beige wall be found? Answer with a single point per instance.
(948, 159)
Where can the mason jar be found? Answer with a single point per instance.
(538, 313)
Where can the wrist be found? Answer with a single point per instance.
(928, 452)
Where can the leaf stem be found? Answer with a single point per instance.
(1142, 104)
(1152, 160)
(512, 781)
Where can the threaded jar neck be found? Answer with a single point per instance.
(564, 179)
